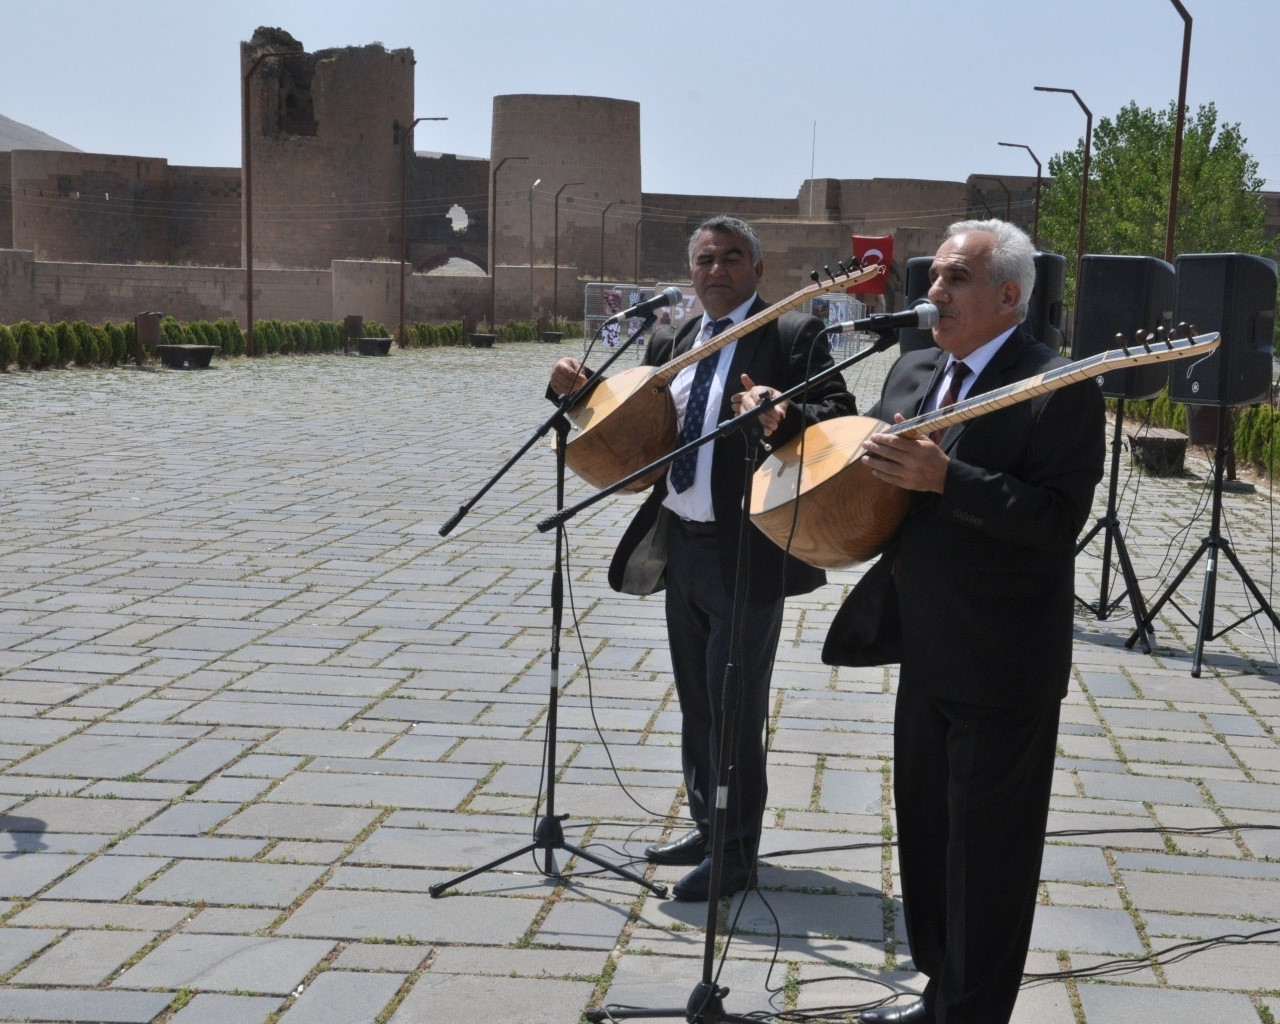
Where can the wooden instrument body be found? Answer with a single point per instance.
(848, 516)
(608, 447)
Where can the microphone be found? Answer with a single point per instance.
(922, 315)
(667, 297)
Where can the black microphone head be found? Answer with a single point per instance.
(926, 313)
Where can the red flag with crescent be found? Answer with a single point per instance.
(869, 251)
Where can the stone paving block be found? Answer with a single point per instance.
(228, 884)
(194, 847)
(404, 958)
(86, 756)
(188, 819)
(79, 1006)
(452, 997)
(370, 790)
(230, 920)
(851, 792)
(108, 877)
(1085, 930)
(28, 873)
(416, 917)
(299, 821)
(228, 963)
(18, 944)
(215, 1008)
(199, 760)
(573, 964)
(343, 997)
(82, 958)
(1116, 1004)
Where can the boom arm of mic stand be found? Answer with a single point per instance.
(882, 342)
(565, 403)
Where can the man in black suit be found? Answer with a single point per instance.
(975, 598)
(685, 538)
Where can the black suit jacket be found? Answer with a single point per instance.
(975, 596)
(781, 354)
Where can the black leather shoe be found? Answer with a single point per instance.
(690, 848)
(914, 1012)
(695, 887)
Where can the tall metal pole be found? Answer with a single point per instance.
(531, 188)
(1170, 221)
(493, 240)
(1084, 176)
(555, 258)
(1035, 223)
(405, 149)
(246, 178)
(602, 217)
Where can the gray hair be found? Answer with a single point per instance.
(1013, 257)
(723, 222)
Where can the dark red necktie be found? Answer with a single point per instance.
(958, 373)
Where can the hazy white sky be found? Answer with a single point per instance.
(730, 91)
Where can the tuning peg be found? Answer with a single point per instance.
(813, 276)
(843, 271)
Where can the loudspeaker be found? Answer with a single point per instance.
(1123, 295)
(1235, 294)
(917, 287)
(1044, 310)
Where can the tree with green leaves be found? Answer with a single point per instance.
(1220, 207)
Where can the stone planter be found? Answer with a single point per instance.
(374, 346)
(483, 340)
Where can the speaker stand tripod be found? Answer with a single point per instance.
(1109, 527)
(1211, 546)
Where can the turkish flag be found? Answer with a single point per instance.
(869, 251)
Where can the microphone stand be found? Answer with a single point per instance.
(706, 1002)
(548, 834)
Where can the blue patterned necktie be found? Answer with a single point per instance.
(695, 411)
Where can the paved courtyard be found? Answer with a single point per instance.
(255, 707)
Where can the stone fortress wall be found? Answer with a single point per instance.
(336, 168)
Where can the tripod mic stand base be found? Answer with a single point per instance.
(548, 835)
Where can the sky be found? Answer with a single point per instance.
(737, 97)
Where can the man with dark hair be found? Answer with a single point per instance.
(975, 598)
(685, 538)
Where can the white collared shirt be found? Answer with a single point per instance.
(695, 503)
(976, 361)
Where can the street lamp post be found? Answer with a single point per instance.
(1177, 137)
(555, 258)
(1084, 175)
(536, 183)
(1035, 221)
(406, 138)
(246, 178)
(604, 214)
(493, 240)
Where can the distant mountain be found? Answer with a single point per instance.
(15, 135)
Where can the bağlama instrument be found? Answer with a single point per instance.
(816, 497)
(628, 420)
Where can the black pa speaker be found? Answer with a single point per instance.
(1123, 295)
(1235, 294)
(1044, 310)
(917, 287)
